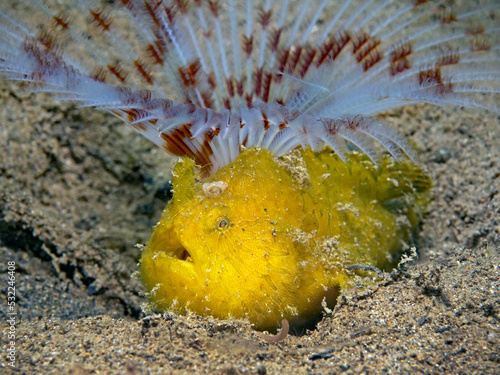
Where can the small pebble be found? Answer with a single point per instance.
(442, 155)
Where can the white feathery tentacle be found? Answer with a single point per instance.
(334, 21)
(313, 21)
(235, 40)
(248, 37)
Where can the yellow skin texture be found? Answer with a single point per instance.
(275, 243)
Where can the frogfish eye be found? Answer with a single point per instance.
(222, 222)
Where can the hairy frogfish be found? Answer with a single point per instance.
(267, 239)
(280, 195)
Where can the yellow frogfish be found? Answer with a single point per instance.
(267, 239)
(256, 228)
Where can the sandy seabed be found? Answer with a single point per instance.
(79, 189)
